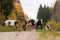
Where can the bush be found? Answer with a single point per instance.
(55, 25)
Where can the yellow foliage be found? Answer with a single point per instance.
(19, 25)
(12, 16)
(54, 24)
(26, 16)
(2, 17)
(18, 7)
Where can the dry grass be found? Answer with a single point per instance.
(54, 24)
(48, 35)
(9, 29)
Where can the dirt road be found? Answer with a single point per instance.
(24, 35)
(19, 35)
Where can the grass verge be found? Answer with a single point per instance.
(9, 29)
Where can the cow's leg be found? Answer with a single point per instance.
(41, 26)
(37, 26)
(9, 23)
(24, 28)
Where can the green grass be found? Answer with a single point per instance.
(9, 29)
(48, 35)
(52, 32)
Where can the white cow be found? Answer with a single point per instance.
(10, 22)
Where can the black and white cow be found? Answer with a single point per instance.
(29, 23)
(48, 27)
(32, 21)
(39, 24)
(10, 22)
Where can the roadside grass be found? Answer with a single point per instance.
(43, 34)
(9, 29)
(52, 32)
(48, 35)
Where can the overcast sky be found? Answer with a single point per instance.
(30, 7)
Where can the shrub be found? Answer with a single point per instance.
(55, 25)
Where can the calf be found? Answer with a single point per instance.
(48, 27)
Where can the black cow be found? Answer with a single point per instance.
(39, 24)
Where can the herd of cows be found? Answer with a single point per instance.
(30, 22)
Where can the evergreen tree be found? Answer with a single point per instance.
(39, 15)
(44, 13)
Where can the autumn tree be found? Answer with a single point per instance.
(7, 7)
(11, 9)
